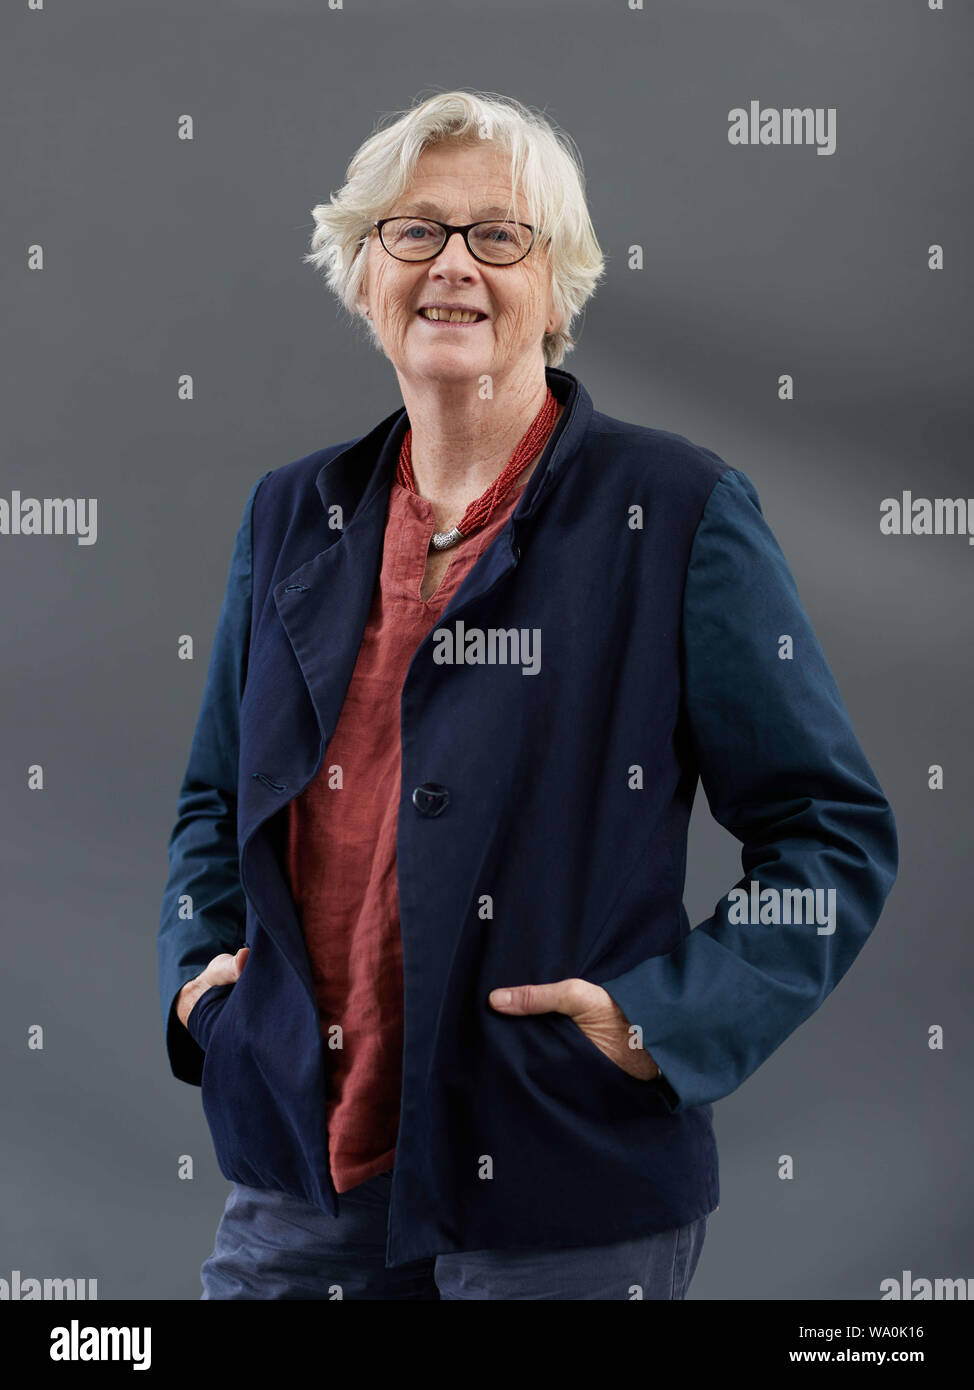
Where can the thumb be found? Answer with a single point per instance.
(240, 959)
(534, 999)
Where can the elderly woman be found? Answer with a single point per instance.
(423, 942)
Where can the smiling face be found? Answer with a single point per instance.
(460, 184)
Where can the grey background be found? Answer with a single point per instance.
(164, 256)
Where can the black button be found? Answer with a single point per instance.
(430, 799)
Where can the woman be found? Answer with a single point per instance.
(423, 941)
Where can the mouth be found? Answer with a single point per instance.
(447, 317)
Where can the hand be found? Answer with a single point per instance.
(592, 1008)
(222, 970)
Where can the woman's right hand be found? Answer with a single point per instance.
(222, 970)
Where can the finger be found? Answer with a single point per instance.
(222, 970)
(557, 997)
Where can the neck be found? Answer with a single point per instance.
(460, 442)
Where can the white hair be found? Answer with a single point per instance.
(545, 168)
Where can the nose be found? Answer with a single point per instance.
(454, 261)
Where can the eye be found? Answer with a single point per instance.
(408, 230)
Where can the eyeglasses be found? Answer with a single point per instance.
(420, 239)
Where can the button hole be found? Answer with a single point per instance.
(275, 786)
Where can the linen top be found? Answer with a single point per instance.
(341, 846)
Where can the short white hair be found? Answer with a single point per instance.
(545, 168)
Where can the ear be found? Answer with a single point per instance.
(551, 323)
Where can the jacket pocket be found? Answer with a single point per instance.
(206, 1012)
(587, 1065)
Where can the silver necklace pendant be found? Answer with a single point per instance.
(442, 540)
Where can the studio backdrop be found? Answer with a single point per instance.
(782, 192)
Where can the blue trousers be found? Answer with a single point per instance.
(271, 1245)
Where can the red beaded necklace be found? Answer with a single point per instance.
(479, 511)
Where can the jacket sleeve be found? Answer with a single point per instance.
(783, 772)
(203, 906)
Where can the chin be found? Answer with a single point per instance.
(448, 365)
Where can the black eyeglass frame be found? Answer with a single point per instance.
(449, 229)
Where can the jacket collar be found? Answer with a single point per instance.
(354, 476)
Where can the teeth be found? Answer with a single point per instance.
(450, 315)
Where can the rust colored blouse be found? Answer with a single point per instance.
(341, 847)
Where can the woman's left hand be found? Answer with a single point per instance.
(592, 1008)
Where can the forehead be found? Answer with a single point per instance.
(450, 180)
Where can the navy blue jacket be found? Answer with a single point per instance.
(541, 835)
